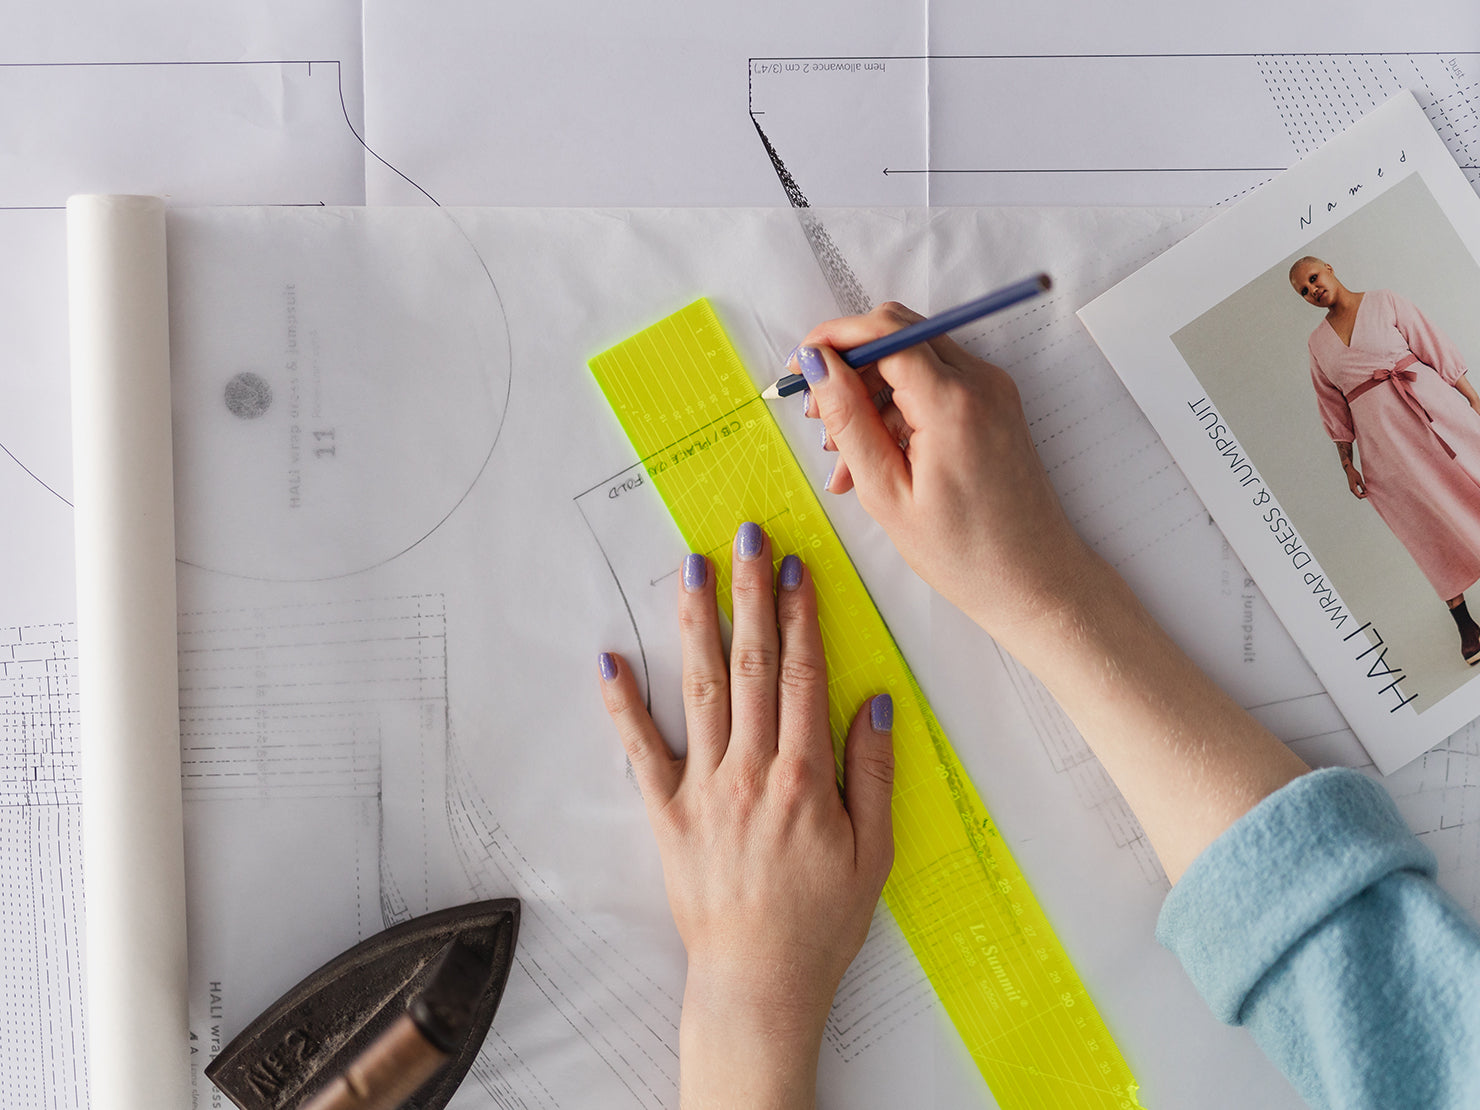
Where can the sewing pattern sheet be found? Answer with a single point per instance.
(262, 105)
(1235, 121)
(939, 103)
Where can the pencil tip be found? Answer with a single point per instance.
(1045, 282)
(770, 393)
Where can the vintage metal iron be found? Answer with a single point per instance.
(421, 994)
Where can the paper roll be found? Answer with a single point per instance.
(132, 825)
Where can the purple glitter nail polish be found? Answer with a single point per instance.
(695, 572)
(748, 540)
(813, 368)
(881, 713)
(791, 573)
(608, 664)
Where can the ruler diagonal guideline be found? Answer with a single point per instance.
(717, 458)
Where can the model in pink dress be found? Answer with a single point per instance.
(1389, 381)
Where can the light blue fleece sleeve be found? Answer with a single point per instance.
(1315, 921)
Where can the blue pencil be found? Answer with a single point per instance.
(892, 344)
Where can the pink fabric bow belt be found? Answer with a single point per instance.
(1402, 379)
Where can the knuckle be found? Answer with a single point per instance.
(757, 661)
(745, 789)
(1007, 390)
(877, 766)
(692, 619)
(896, 423)
(973, 405)
(619, 701)
(633, 743)
(897, 313)
(954, 394)
(838, 419)
(802, 674)
(792, 778)
(751, 588)
(702, 689)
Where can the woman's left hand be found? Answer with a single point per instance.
(771, 875)
(1467, 391)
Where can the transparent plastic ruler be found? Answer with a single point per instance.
(717, 458)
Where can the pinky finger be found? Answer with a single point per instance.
(657, 770)
(841, 479)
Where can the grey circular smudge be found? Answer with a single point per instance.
(248, 395)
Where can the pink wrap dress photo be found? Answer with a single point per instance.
(1391, 391)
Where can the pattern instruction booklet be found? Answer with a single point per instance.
(1304, 356)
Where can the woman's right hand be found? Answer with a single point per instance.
(970, 507)
(952, 475)
(1354, 481)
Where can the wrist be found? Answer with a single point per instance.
(1016, 610)
(743, 1043)
(1090, 605)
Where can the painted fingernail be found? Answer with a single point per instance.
(806, 402)
(748, 540)
(791, 572)
(608, 664)
(881, 713)
(695, 572)
(827, 485)
(814, 369)
(791, 354)
(823, 438)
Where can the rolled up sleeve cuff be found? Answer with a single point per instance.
(1276, 873)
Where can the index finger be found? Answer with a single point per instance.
(848, 332)
(910, 376)
(870, 451)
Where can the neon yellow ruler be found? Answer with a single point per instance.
(717, 458)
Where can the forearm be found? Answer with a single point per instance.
(1188, 759)
(1344, 453)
